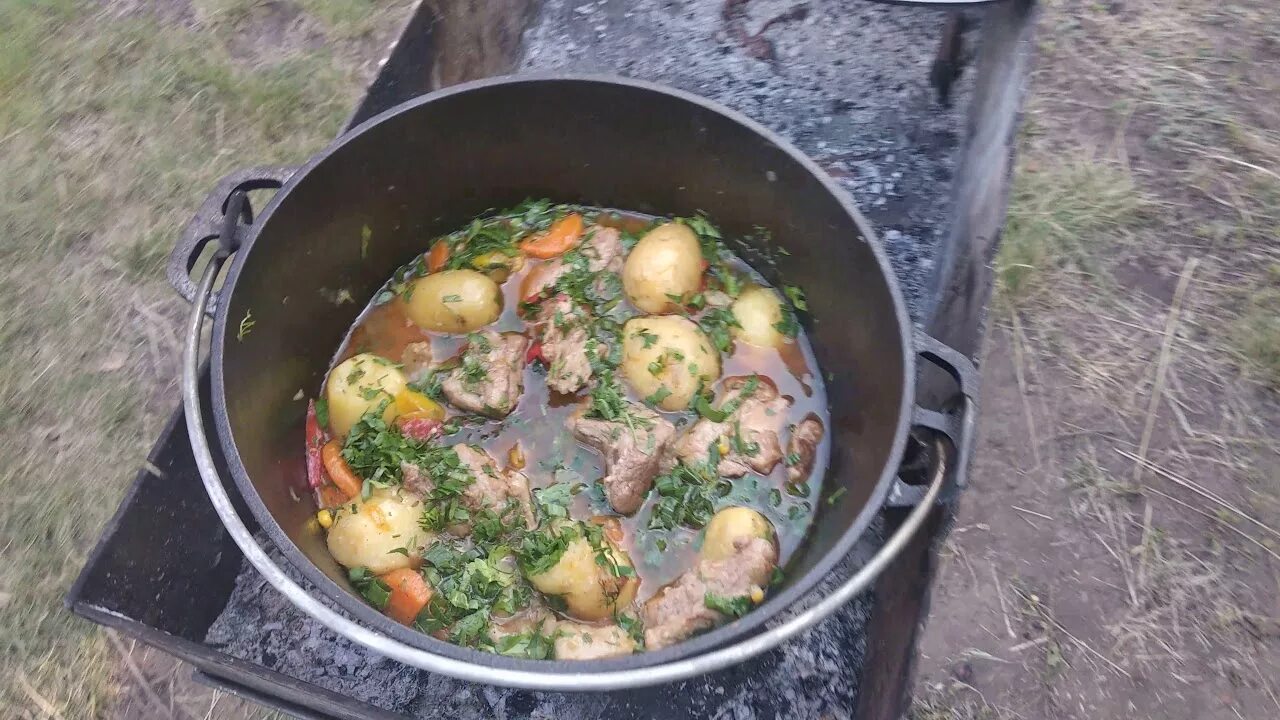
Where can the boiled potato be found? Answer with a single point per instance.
(666, 262)
(454, 301)
(590, 591)
(667, 358)
(373, 535)
(758, 312)
(357, 385)
(730, 524)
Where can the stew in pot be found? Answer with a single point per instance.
(569, 432)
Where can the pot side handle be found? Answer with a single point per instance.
(955, 426)
(211, 222)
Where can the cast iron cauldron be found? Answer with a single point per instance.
(301, 273)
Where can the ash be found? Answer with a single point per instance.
(815, 675)
(847, 82)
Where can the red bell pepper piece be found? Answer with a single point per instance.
(315, 440)
(534, 352)
(420, 428)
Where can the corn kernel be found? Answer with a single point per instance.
(325, 518)
(757, 594)
(723, 447)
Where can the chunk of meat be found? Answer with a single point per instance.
(602, 248)
(747, 439)
(491, 488)
(490, 376)
(718, 299)
(680, 609)
(575, 641)
(802, 448)
(419, 428)
(534, 616)
(634, 454)
(417, 361)
(564, 331)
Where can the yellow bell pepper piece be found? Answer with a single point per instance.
(412, 402)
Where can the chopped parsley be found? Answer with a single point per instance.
(539, 550)
(733, 607)
(322, 412)
(532, 644)
(687, 495)
(645, 337)
(704, 407)
(788, 325)
(378, 452)
(718, 323)
(632, 626)
(451, 299)
(370, 586)
(796, 296)
(470, 585)
(356, 373)
(605, 557)
(662, 393)
(554, 499)
(473, 370)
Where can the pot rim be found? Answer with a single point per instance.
(750, 624)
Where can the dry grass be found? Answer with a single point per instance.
(954, 700)
(116, 118)
(1152, 139)
(1172, 106)
(1059, 216)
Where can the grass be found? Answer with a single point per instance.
(1059, 218)
(1172, 107)
(1152, 137)
(952, 701)
(1257, 331)
(115, 121)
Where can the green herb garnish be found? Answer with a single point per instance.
(733, 607)
(370, 586)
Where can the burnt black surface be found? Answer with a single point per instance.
(808, 678)
(165, 560)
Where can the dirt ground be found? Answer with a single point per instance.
(1116, 554)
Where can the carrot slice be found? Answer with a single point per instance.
(438, 256)
(409, 594)
(558, 239)
(339, 471)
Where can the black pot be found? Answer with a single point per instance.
(428, 166)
